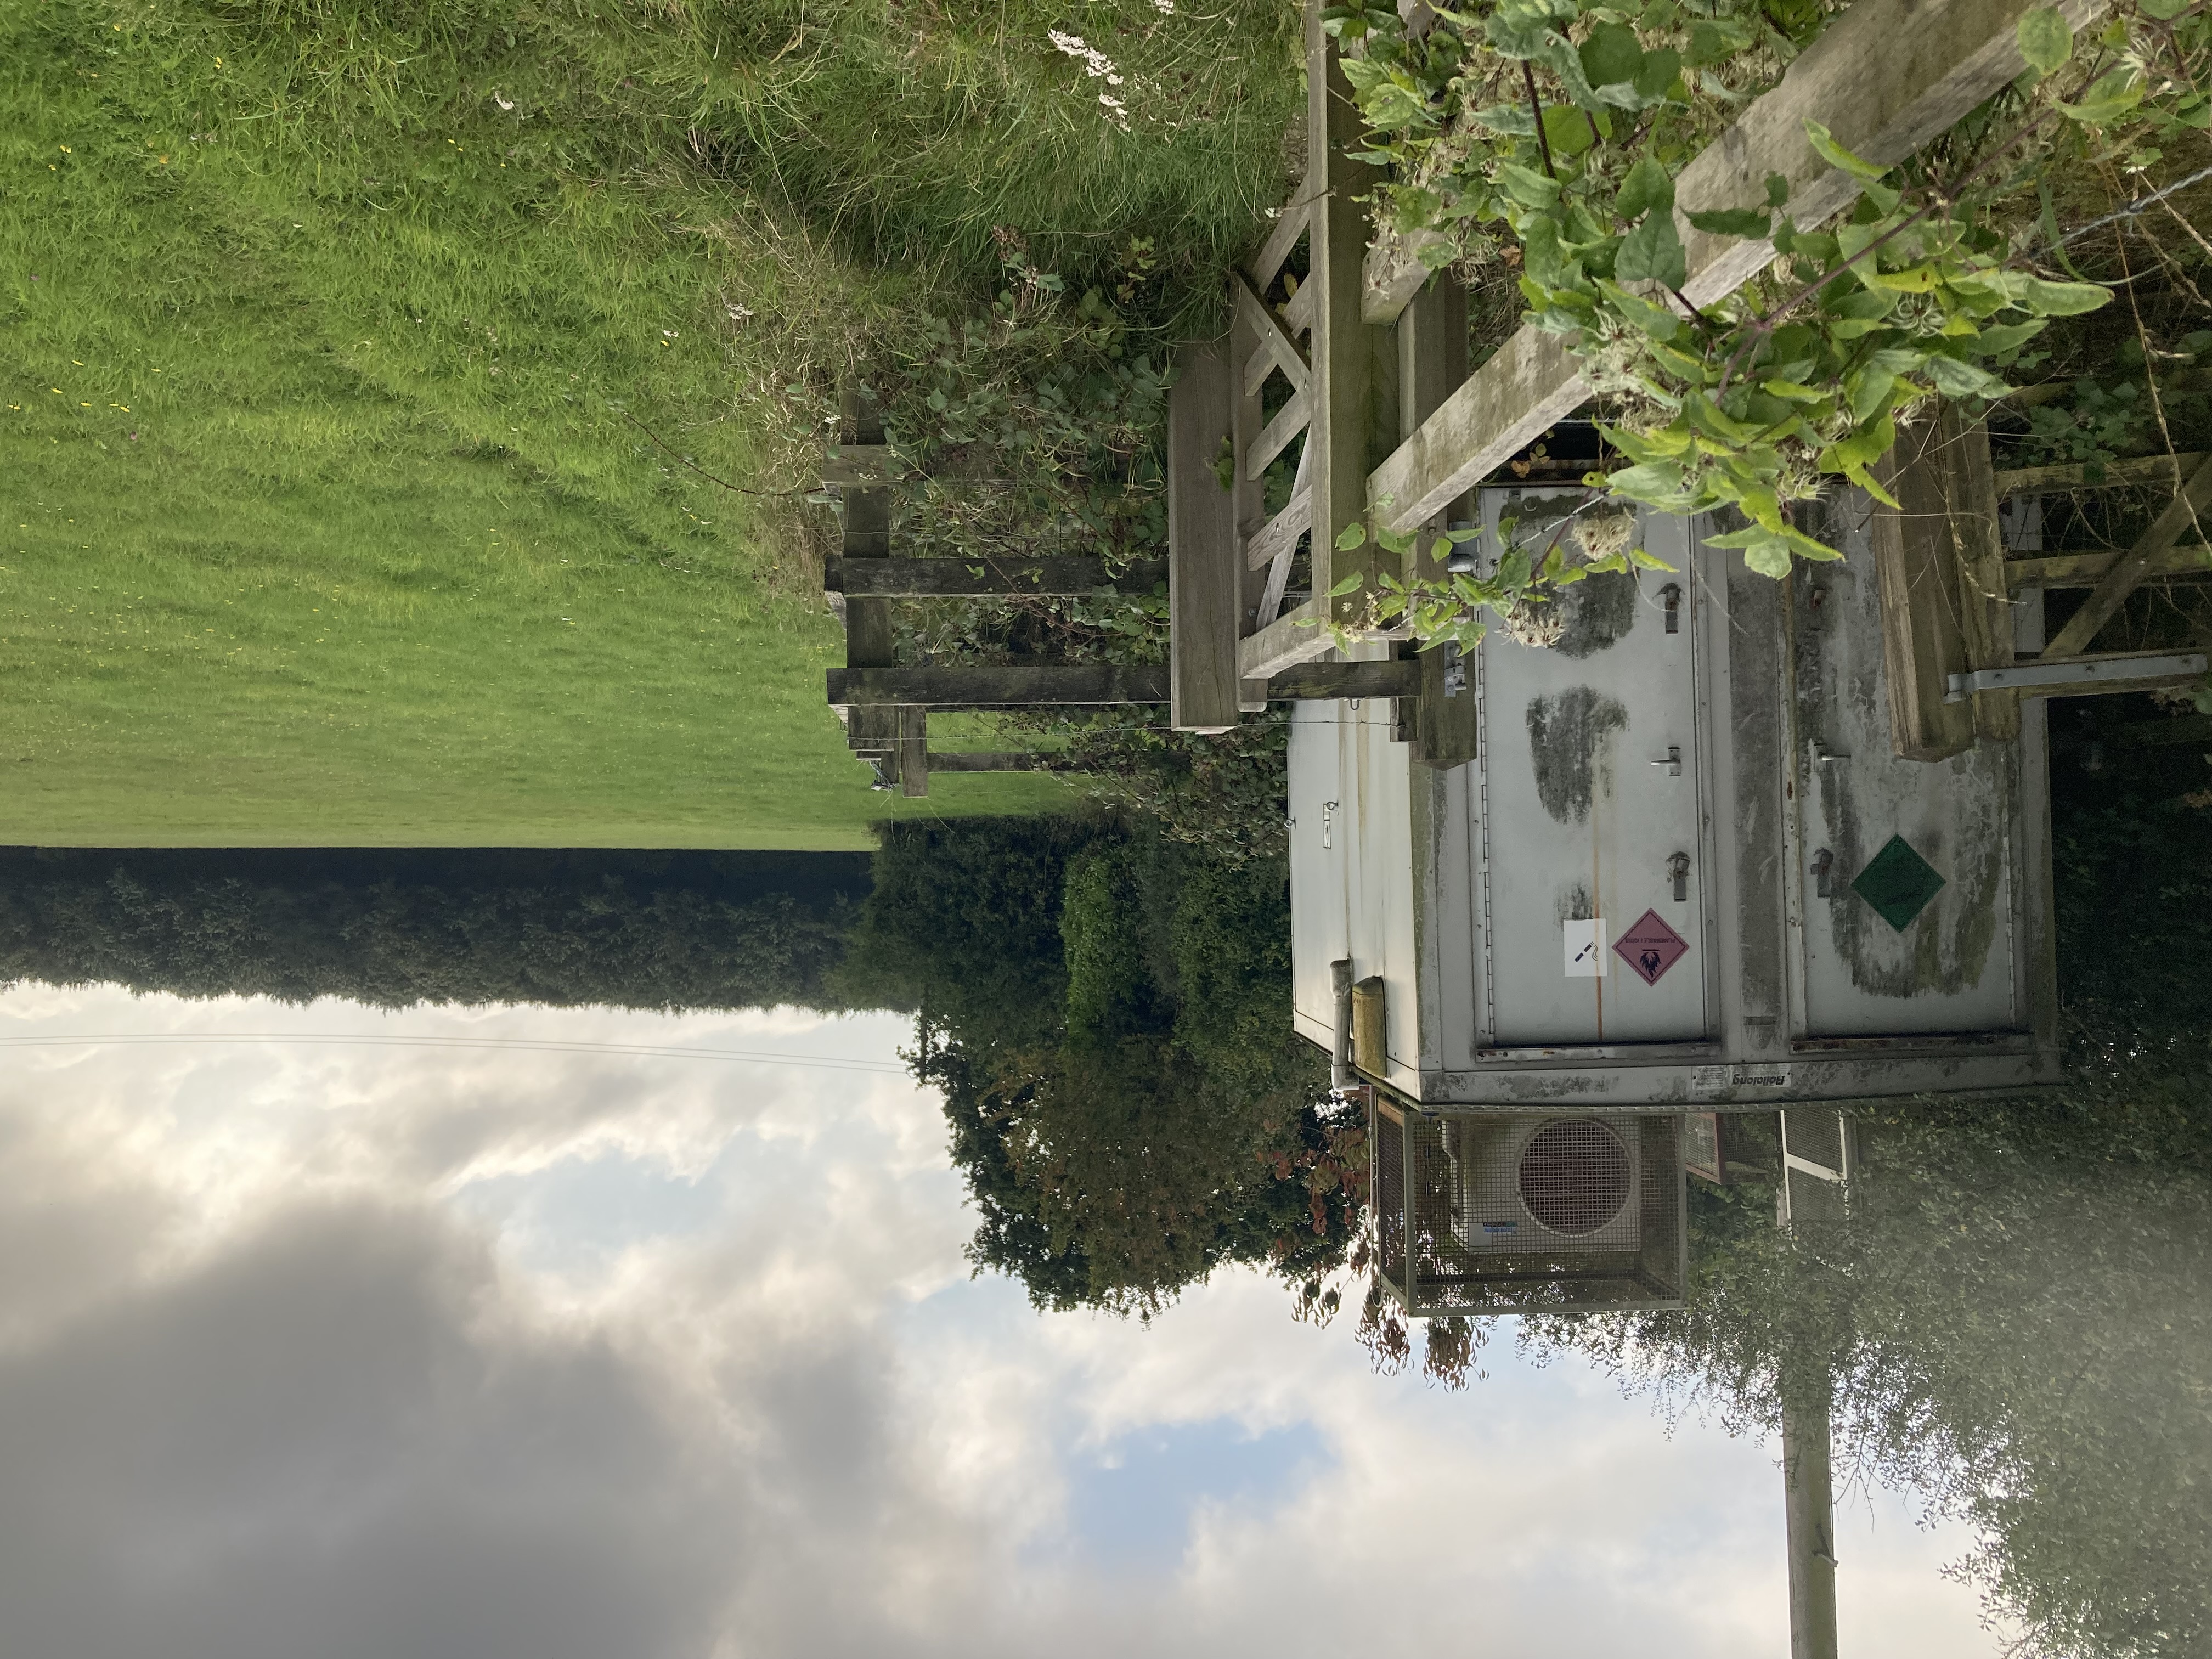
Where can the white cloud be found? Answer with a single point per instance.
(314, 1350)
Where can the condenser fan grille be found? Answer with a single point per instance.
(1574, 1176)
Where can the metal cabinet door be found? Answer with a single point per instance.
(1591, 802)
(1905, 895)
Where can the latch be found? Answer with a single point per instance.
(1673, 760)
(1327, 825)
(1824, 861)
(1678, 866)
(1672, 593)
(1454, 669)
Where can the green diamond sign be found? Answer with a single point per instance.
(1899, 883)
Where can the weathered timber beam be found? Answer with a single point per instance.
(1887, 77)
(861, 466)
(1290, 419)
(872, 466)
(961, 579)
(2111, 591)
(1018, 760)
(1280, 533)
(2168, 470)
(1283, 240)
(1309, 680)
(1281, 345)
(1293, 637)
(2087, 569)
(979, 686)
(1298, 310)
(1205, 590)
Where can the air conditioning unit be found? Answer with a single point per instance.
(1541, 1185)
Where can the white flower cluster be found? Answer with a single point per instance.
(1099, 66)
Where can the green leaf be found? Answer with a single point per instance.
(1733, 222)
(1765, 550)
(1914, 279)
(1652, 252)
(1656, 321)
(1643, 560)
(1714, 40)
(1654, 481)
(1647, 186)
(2113, 96)
(1611, 54)
(2043, 299)
(1571, 131)
(1352, 536)
(1528, 186)
(1704, 415)
(1955, 378)
(1836, 156)
(2046, 39)
(2164, 10)
(1349, 585)
(1657, 74)
(2009, 337)
(1777, 189)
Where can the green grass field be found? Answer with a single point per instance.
(332, 362)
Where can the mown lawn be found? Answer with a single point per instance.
(348, 379)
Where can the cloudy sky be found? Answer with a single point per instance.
(512, 1334)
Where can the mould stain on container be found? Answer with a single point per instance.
(1569, 742)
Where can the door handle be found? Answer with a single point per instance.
(1671, 760)
(1678, 867)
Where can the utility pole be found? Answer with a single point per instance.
(1808, 1508)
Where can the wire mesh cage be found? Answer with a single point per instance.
(1555, 1213)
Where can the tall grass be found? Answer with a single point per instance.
(454, 311)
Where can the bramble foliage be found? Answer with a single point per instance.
(1550, 132)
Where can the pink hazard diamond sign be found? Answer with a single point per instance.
(1650, 947)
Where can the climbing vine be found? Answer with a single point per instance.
(1549, 134)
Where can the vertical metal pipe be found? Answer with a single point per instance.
(1340, 1058)
(1808, 1508)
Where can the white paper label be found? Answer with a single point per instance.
(1586, 949)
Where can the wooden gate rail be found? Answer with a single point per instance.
(1888, 76)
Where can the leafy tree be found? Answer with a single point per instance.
(1125, 1095)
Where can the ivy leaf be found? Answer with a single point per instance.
(1732, 222)
(2046, 39)
(1836, 156)
(1647, 186)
